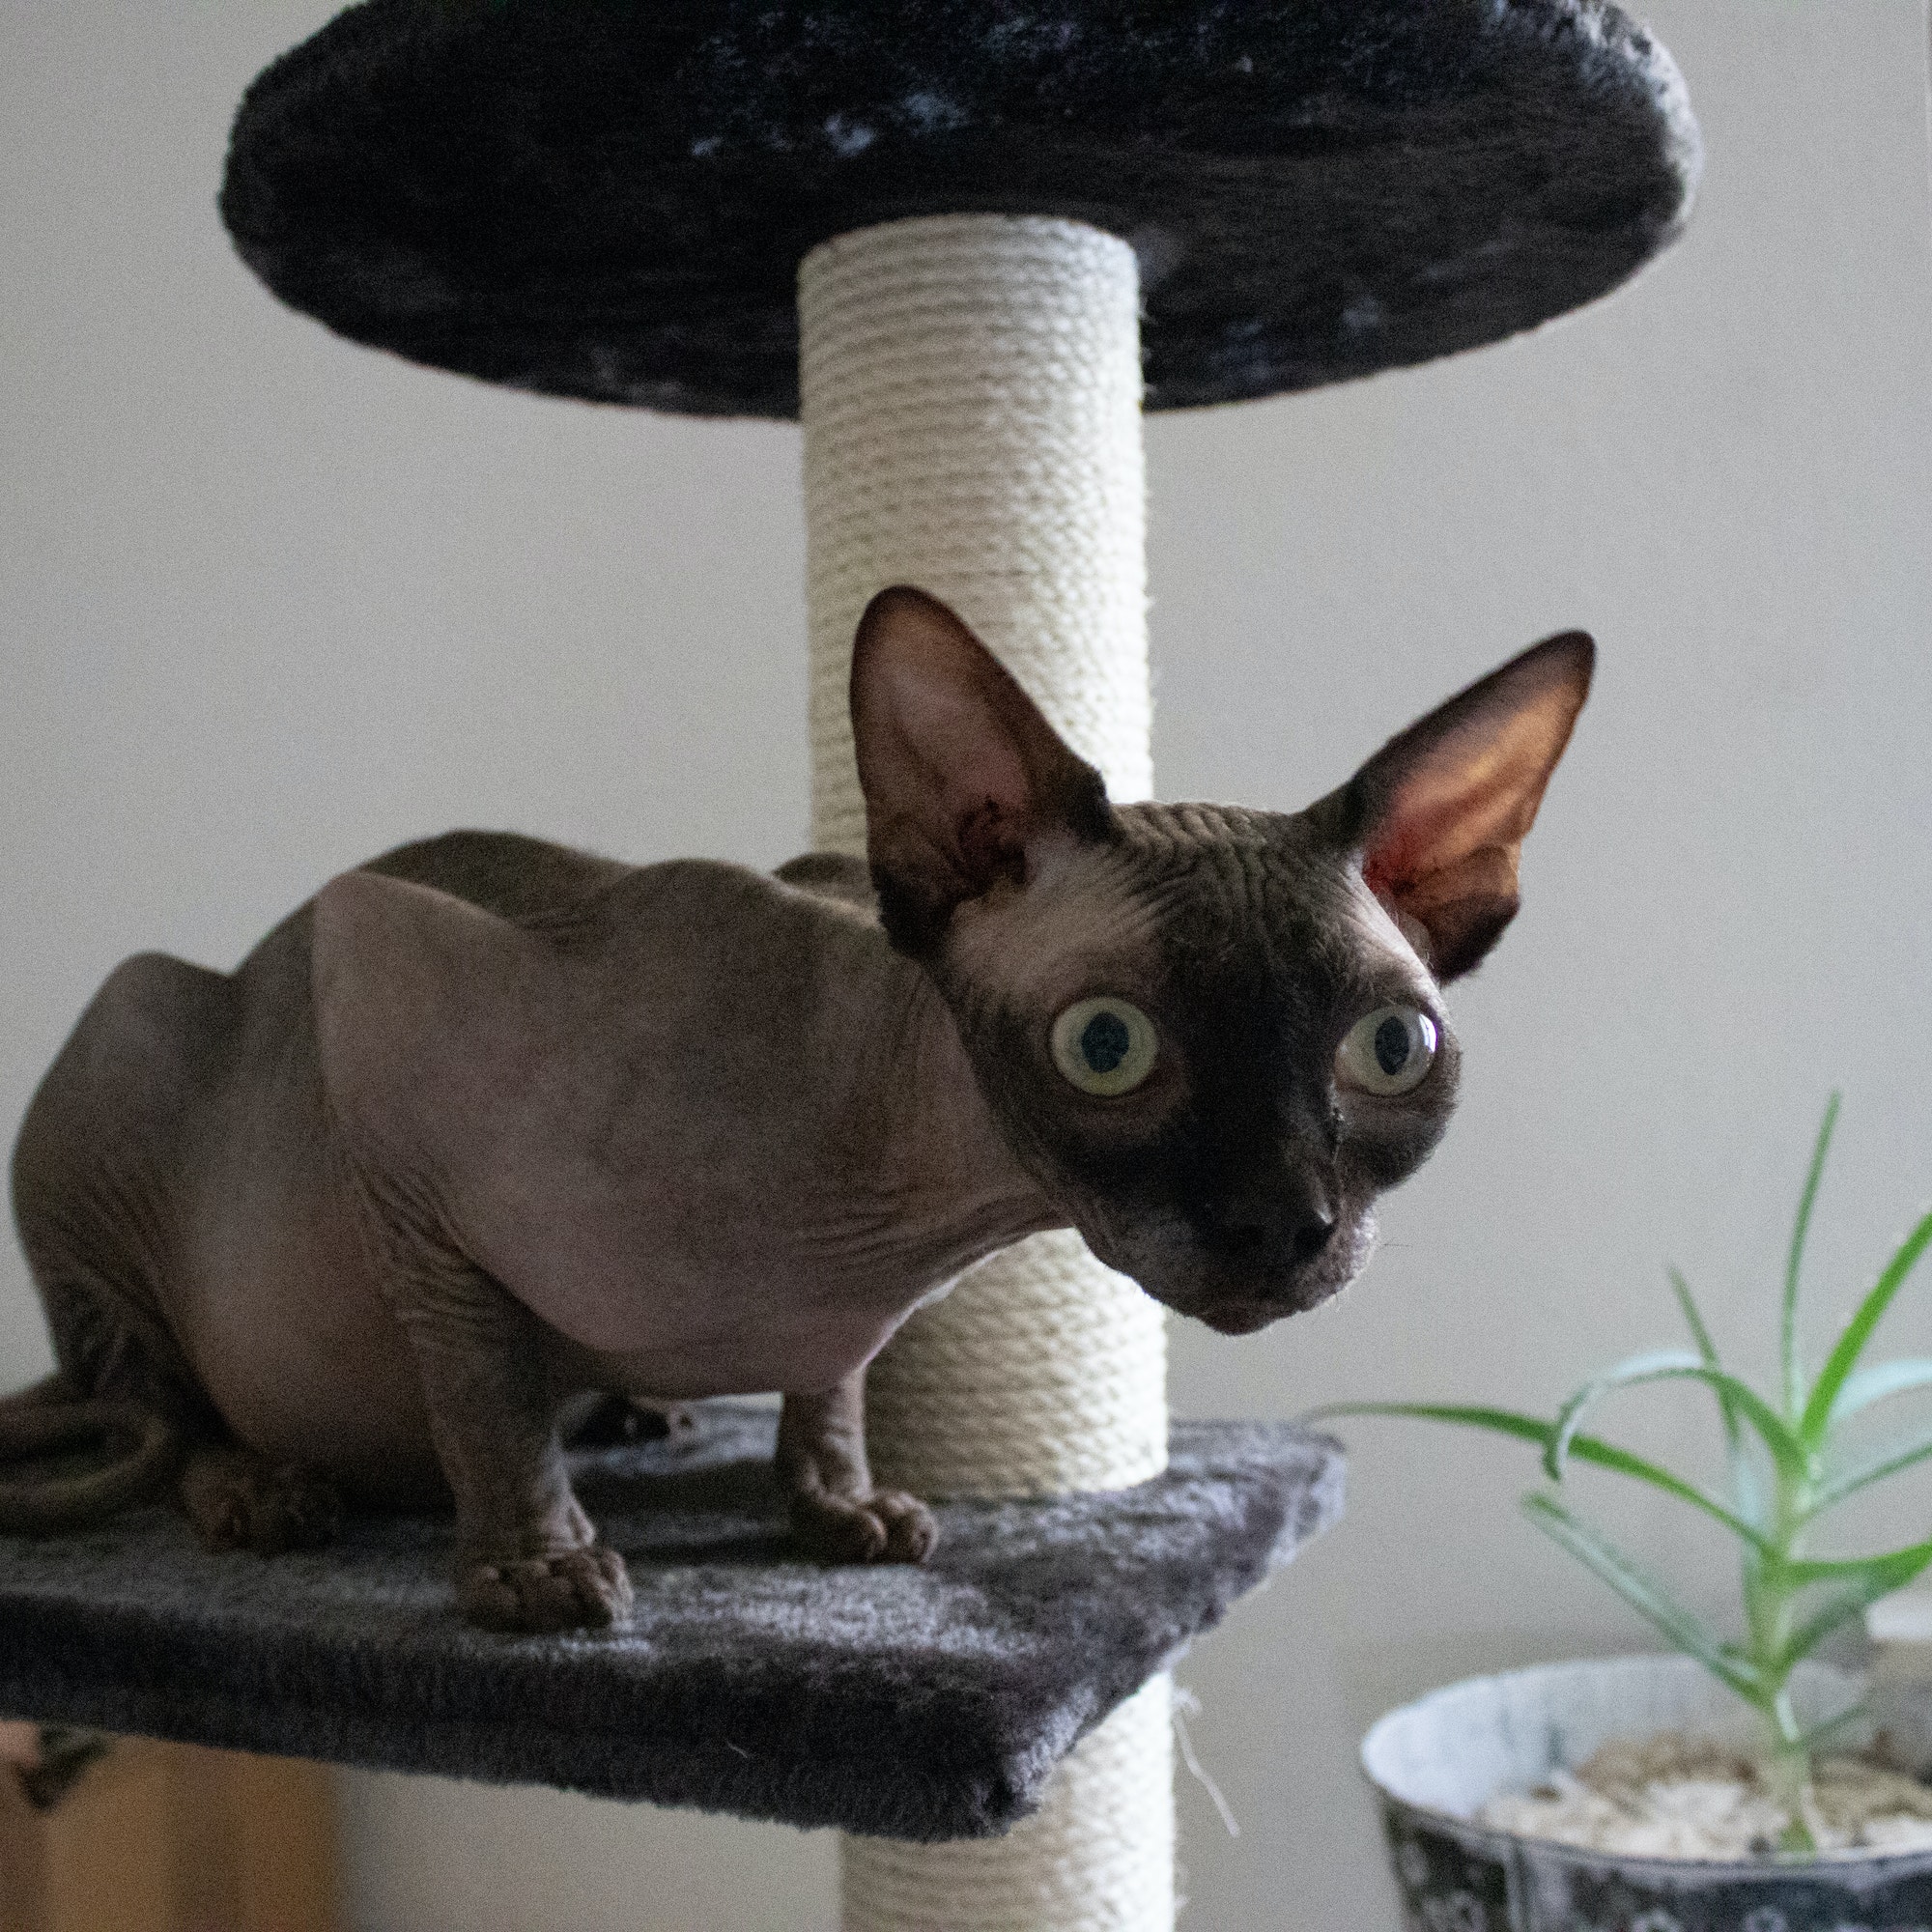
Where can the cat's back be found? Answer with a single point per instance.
(677, 912)
(707, 944)
(835, 877)
(527, 880)
(666, 966)
(565, 891)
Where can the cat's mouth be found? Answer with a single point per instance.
(1241, 1300)
(1242, 1318)
(1229, 1296)
(1246, 1313)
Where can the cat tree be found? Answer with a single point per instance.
(964, 242)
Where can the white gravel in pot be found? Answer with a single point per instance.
(1642, 1756)
(1671, 1795)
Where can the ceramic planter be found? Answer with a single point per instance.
(1434, 1761)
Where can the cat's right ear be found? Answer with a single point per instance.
(1439, 816)
(965, 783)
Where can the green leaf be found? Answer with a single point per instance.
(1874, 1469)
(1844, 1358)
(1659, 1364)
(1680, 1627)
(1583, 1448)
(1502, 1421)
(1860, 1581)
(1884, 1573)
(1810, 1740)
(1674, 1365)
(1744, 1479)
(1699, 1334)
(1838, 1611)
(1879, 1385)
(1793, 1369)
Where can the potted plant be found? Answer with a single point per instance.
(1738, 1787)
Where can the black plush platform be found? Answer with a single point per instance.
(918, 1703)
(609, 198)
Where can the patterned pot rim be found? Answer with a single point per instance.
(1559, 1711)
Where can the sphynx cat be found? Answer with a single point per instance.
(489, 1123)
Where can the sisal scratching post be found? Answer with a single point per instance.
(970, 390)
(970, 394)
(1096, 1857)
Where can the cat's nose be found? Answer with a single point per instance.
(1286, 1225)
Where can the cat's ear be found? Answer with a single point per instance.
(1440, 814)
(966, 785)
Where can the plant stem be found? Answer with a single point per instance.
(1770, 1605)
(1790, 1767)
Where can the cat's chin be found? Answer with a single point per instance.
(1234, 1299)
(1242, 1318)
(1247, 1314)
(1245, 1304)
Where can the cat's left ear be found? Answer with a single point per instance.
(965, 783)
(1440, 814)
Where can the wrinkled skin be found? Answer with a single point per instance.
(490, 1123)
(1238, 1184)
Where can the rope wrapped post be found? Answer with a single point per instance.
(1097, 1856)
(969, 392)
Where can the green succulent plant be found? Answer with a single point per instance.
(1789, 1463)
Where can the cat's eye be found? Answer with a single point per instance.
(1104, 1045)
(1388, 1051)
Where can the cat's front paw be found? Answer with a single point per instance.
(886, 1527)
(576, 1589)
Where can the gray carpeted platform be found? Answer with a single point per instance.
(609, 200)
(918, 1703)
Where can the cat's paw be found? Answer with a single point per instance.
(575, 1589)
(236, 1500)
(887, 1526)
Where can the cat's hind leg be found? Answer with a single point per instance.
(236, 1499)
(95, 1177)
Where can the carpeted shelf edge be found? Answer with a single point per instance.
(923, 1704)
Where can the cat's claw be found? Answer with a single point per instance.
(887, 1526)
(575, 1589)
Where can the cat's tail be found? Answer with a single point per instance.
(141, 1446)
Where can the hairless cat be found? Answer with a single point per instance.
(489, 1123)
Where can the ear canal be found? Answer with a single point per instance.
(1440, 812)
(964, 778)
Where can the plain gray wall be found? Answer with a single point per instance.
(270, 602)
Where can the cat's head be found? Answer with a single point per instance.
(1211, 1035)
